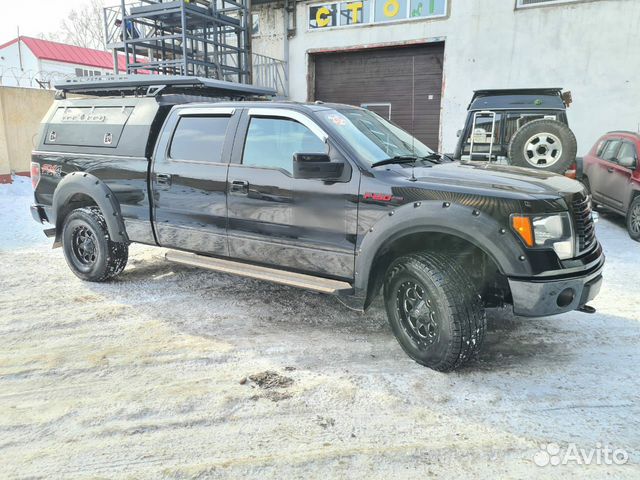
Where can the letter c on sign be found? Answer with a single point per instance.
(322, 17)
(391, 8)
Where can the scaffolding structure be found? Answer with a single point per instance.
(204, 38)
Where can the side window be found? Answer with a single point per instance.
(199, 139)
(626, 154)
(609, 150)
(272, 142)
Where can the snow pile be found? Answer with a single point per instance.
(17, 227)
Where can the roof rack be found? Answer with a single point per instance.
(500, 96)
(517, 91)
(155, 85)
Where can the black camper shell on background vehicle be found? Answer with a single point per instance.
(326, 197)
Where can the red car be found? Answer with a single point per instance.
(612, 174)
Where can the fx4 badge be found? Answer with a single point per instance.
(51, 170)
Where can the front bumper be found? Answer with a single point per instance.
(539, 298)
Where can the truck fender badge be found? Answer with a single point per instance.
(108, 138)
(380, 197)
(51, 170)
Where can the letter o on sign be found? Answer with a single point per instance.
(391, 8)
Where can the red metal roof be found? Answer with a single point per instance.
(61, 52)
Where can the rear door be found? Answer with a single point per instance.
(189, 179)
(617, 182)
(297, 224)
(598, 177)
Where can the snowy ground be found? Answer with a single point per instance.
(144, 377)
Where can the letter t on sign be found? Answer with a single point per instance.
(355, 7)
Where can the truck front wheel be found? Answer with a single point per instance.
(88, 249)
(434, 310)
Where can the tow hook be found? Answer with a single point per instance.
(586, 309)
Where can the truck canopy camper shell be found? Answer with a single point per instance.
(139, 102)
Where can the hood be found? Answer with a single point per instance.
(491, 179)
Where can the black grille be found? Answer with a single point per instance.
(585, 229)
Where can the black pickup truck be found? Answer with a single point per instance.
(325, 197)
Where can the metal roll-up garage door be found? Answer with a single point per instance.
(384, 80)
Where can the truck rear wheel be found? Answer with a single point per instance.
(543, 144)
(434, 310)
(88, 249)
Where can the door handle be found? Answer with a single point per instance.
(163, 179)
(610, 169)
(240, 187)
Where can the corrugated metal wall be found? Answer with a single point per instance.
(388, 78)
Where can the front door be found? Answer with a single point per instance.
(189, 179)
(275, 219)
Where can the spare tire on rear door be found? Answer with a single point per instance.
(543, 144)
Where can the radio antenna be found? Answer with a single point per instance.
(413, 115)
(413, 103)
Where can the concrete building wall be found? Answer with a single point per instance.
(21, 110)
(270, 39)
(5, 166)
(588, 47)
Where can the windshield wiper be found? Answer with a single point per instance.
(402, 159)
(396, 159)
(433, 157)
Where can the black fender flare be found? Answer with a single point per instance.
(91, 186)
(480, 229)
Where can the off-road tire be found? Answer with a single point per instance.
(454, 302)
(108, 258)
(633, 219)
(537, 129)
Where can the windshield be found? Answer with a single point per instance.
(376, 138)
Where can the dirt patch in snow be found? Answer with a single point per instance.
(271, 379)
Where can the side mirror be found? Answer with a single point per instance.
(627, 162)
(316, 166)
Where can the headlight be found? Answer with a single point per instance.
(546, 231)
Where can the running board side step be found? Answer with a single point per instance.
(292, 279)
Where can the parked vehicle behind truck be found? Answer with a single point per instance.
(524, 127)
(325, 197)
(611, 173)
